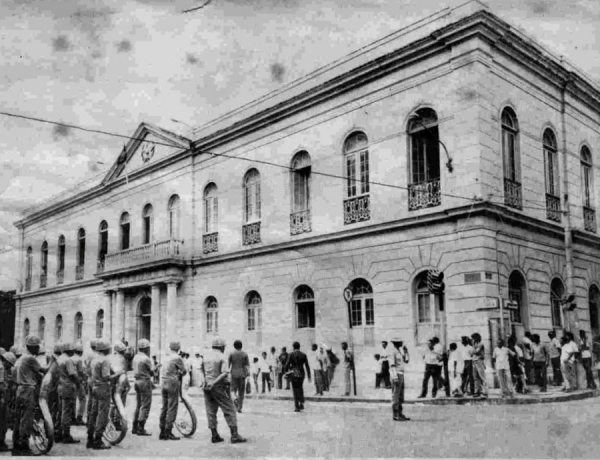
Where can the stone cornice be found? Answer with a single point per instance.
(59, 288)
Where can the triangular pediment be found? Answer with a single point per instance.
(149, 144)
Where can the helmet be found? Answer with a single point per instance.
(33, 341)
(396, 340)
(103, 345)
(79, 348)
(19, 352)
(68, 346)
(2, 351)
(143, 343)
(58, 349)
(13, 349)
(10, 357)
(218, 342)
(119, 347)
(175, 346)
(94, 343)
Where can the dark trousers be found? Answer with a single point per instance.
(539, 368)
(529, 377)
(170, 403)
(3, 426)
(587, 365)
(238, 386)
(398, 394)
(385, 373)
(219, 396)
(556, 372)
(433, 371)
(98, 415)
(467, 377)
(143, 393)
(378, 379)
(266, 380)
(23, 418)
(279, 380)
(298, 391)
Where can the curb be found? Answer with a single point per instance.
(443, 401)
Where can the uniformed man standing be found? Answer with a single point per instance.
(120, 365)
(52, 397)
(217, 392)
(102, 376)
(143, 372)
(87, 366)
(399, 358)
(27, 375)
(81, 390)
(67, 392)
(7, 361)
(172, 371)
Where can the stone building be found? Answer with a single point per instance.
(456, 144)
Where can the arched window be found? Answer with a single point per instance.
(44, 265)
(587, 185)
(58, 328)
(356, 152)
(100, 324)
(78, 327)
(148, 223)
(254, 311)
(511, 159)
(300, 220)
(174, 217)
(252, 201)
(305, 307)
(102, 244)
(212, 315)
(211, 209)
(125, 225)
(28, 268)
(60, 272)
(362, 308)
(424, 146)
(552, 176)
(79, 270)
(517, 293)
(42, 328)
(557, 292)
(25, 329)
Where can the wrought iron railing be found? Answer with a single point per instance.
(251, 233)
(513, 195)
(79, 272)
(424, 195)
(300, 222)
(210, 243)
(60, 276)
(43, 280)
(589, 219)
(152, 252)
(553, 208)
(357, 209)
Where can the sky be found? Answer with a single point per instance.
(111, 64)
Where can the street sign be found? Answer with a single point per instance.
(348, 294)
(510, 304)
(491, 302)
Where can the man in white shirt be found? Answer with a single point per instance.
(385, 364)
(567, 359)
(467, 373)
(316, 366)
(586, 359)
(528, 358)
(554, 352)
(433, 357)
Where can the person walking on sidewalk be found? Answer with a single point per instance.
(500, 361)
(569, 351)
(385, 364)
(478, 355)
(217, 392)
(294, 367)
(240, 370)
(398, 360)
(455, 366)
(468, 384)
(528, 358)
(586, 359)
(282, 360)
(142, 372)
(265, 371)
(348, 368)
(554, 352)
(541, 359)
(517, 369)
(317, 367)
(433, 356)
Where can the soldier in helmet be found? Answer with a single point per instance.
(53, 399)
(143, 372)
(82, 390)
(7, 361)
(87, 367)
(172, 371)
(217, 393)
(102, 376)
(28, 374)
(120, 365)
(68, 385)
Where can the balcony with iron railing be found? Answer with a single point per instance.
(589, 219)
(357, 209)
(300, 222)
(425, 194)
(210, 242)
(553, 211)
(60, 276)
(251, 233)
(43, 280)
(513, 194)
(159, 252)
(79, 272)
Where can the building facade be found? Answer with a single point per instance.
(457, 145)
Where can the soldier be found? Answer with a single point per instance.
(81, 390)
(143, 372)
(67, 392)
(398, 360)
(18, 352)
(173, 369)
(217, 392)
(102, 376)
(120, 365)
(87, 366)
(27, 375)
(53, 399)
(7, 361)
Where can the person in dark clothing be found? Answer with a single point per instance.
(283, 359)
(294, 366)
(585, 349)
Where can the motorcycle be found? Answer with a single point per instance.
(116, 429)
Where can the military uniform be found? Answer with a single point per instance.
(87, 367)
(119, 365)
(67, 392)
(52, 389)
(6, 362)
(81, 389)
(172, 369)
(101, 397)
(397, 360)
(143, 372)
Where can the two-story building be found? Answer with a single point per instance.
(456, 144)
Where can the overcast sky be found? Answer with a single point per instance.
(111, 64)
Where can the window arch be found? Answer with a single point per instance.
(60, 272)
(42, 328)
(78, 334)
(100, 324)
(304, 299)
(252, 198)
(212, 315)
(125, 224)
(25, 329)
(211, 209)
(557, 292)
(44, 265)
(58, 328)
(362, 308)
(29, 268)
(80, 254)
(511, 158)
(148, 223)
(174, 216)
(517, 292)
(103, 243)
(356, 152)
(552, 175)
(254, 311)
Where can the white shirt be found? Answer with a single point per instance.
(455, 357)
(466, 352)
(570, 347)
(527, 351)
(585, 353)
(313, 361)
(501, 357)
(263, 366)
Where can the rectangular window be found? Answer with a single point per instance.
(300, 191)
(369, 312)
(251, 319)
(356, 312)
(508, 148)
(351, 172)
(147, 230)
(103, 245)
(418, 159)
(212, 321)
(61, 257)
(556, 318)
(364, 171)
(306, 314)
(81, 261)
(124, 236)
(423, 303)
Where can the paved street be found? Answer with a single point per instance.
(366, 430)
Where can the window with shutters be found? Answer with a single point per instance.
(511, 159)
(78, 329)
(42, 328)
(557, 292)
(125, 224)
(552, 176)
(300, 218)
(58, 328)
(212, 315)
(44, 265)
(587, 185)
(305, 307)
(100, 324)
(254, 311)
(356, 155)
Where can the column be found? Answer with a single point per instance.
(107, 332)
(155, 334)
(118, 316)
(170, 314)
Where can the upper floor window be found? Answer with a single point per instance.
(100, 324)
(81, 247)
(148, 223)
(174, 210)
(587, 177)
(305, 307)
(356, 153)
(423, 135)
(212, 315)
(25, 329)
(551, 163)
(29, 262)
(254, 311)
(61, 252)
(58, 328)
(301, 166)
(557, 292)
(125, 225)
(252, 196)
(44, 259)
(103, 243)
(78, 327)
(211, 208)
(510, 145)
(42, 328)
(362, 309)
